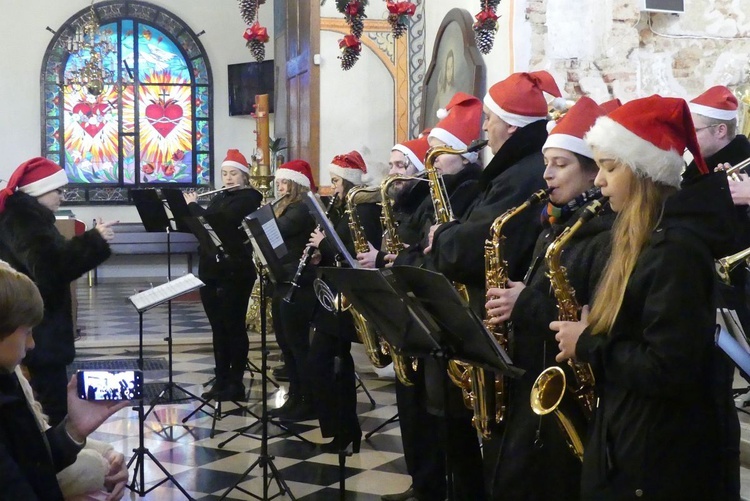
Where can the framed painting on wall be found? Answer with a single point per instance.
(456, 65)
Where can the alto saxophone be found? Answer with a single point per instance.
(549, 390)
(365, 332)
(488, 399)
(404, 367)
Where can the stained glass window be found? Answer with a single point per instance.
(152, 123)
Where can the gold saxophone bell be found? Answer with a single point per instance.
(548, 396)
(725, 265)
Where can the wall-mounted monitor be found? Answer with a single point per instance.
(672, 6)
(246, 80)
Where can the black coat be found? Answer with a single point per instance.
(233, 206)
(512, 176)
(28, 468)
(655, 433)
(462, 189)
(295, 225)
(31, 243)
(514, 455)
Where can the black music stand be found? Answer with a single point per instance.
(143, 302)
(420, 313)
(264, 235)
(151, 210)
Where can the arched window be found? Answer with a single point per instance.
(152, 123)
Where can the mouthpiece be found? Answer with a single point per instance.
(476, 145)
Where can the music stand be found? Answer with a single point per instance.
(264, 235)
(152, 212)
(143, 302)
(420, 313)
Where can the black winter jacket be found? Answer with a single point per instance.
(518, 453)
(655, 433)
(511, 177)
(31, 243)
(295, 225)
(233, 206)
(29, 459)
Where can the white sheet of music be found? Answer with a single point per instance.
(165, 292)
(271, 229)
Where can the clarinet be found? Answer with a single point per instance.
(305, 259)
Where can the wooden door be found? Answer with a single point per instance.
(301, 38)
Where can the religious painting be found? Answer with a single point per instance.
(456, 65)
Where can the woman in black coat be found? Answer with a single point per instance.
(291, 319)
(229, 280)
(526, 446)
(335, 395)
(31, 243)
(650, 335)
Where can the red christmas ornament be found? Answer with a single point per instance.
(399, 13)
(256, 36)
(351, 48)
(486, 26)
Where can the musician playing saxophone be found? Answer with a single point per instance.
(229, 280)
(291, 320)
(334, 333)
(530, 447)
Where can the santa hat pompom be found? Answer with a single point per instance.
(551, 125)
(442, 113)
(559, 103)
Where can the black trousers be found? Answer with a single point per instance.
(50, 383)
(292, 325)
(334, 395)
(225, 303)
(424, 455)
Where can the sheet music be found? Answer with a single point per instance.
(211, 233)
(271, 229)
(165, 292)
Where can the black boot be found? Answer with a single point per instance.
(304, 410)
(234, 391)
(291, 402)
(220, 385)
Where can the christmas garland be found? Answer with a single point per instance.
(256, 36)
(486, 26)
(399, 13)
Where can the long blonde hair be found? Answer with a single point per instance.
(295, 192)
(630, 234)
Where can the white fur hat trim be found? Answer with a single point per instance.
(570, 143)
(236, 165)
(610, 138)
(354, 176)
(710, 112)
(415, 161)
(452, 141)
(293, 175)
(46, 184)
(508, 117)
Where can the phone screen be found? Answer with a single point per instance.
(110, 385)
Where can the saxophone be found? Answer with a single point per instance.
(402, 366)
(365, 332)
(488, 400)
(549, 390)
(725, 265)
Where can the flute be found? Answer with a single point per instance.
(226, 188)
(305, 259)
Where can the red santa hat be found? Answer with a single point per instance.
(237, 160)
(570, 129)
(611, 105)
(415, 150)
(460, 123)
(34, 177)
(519, 99)
(717, 102)
(297, 171)
(649, 135)
(349, 166)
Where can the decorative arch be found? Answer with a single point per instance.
(153, 123)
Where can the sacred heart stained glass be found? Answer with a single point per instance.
(150, 126)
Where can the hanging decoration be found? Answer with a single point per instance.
(249, 10)
(354, 12)
(486, 26)
(257, 37)
(399, 13)
(350, 47)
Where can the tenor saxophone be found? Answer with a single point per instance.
(365, 331)
(488, 399)
(549, 391)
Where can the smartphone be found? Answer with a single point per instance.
(110, 385)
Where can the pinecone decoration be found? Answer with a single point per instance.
(357, 25)
(485, 38)
(397, 27)
(248, 10)
(351, 48)
(257, 49)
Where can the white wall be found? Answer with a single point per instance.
(22, 51)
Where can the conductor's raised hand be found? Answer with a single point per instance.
(105, 229)
(85, 416)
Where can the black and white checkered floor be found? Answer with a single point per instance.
(204, 469)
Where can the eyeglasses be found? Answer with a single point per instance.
(706, 127)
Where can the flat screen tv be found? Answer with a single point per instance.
(246, 80)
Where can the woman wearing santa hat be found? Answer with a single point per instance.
(291, 320)
(650, 336)
(335, 396)
(527, 446)
(30, 242)
(229, 279)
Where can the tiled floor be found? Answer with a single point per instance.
(204, 469)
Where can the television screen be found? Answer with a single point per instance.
(246, 80)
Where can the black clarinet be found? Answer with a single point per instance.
(305, 259)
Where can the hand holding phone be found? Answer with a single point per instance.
(109, 385)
